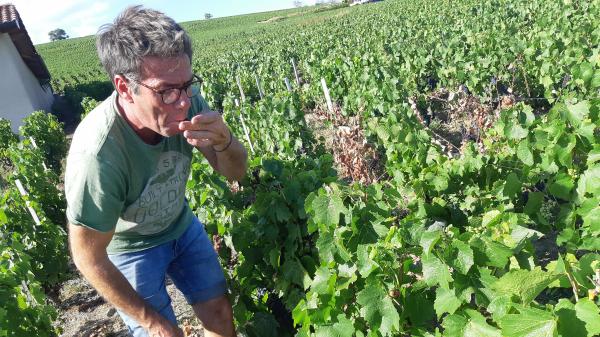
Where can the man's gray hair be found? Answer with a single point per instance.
(136, 33)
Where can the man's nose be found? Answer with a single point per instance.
(184, 101)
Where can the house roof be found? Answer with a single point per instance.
(11, 23)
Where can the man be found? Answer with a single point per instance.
(129, 221)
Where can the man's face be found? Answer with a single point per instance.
(159, 74)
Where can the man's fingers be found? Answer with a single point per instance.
(199, 134)
(201, 122)
(200, 142)
(207, 117)
(205, 130)
(187, 125)
(175, 125)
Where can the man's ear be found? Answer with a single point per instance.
(122, 87)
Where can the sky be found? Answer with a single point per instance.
(84, 17)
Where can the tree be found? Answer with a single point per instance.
(207, 16)
(298, 3)
(58, 34)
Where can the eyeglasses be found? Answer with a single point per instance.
(171, 95)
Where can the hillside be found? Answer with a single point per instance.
(75, 60)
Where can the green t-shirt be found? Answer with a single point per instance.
(114, 180)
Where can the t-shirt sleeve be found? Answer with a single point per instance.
(95, 192)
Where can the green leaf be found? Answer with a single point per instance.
(309, 264)
(454, 325)
(293, 272)
(520, 233)
(365, 264)
(560, 266)
(340, 243)
(594, 155)
(589, 182)
(526, 116)
(489, 252)
(435, 272)
(445, 301)
(578, 112)
(529, 322)
(586, 130)
(515, 132)
(546, 81)
(478, 326)
(346, 276)
(585, 71)
(419, 308)
(464, 257)
(429, 239)
(365, 233)
(282, 212)
(541, 139)
(591, 220)
(324, 281)
(534, 202)
(526, 284)
(491, 218)
(499, 306)
(524, 153)
(377, 309)
(274, 258)
(588, 312)
(595, 83)
(568, 323)
(512, 186)
(326, 245)
(473, 326)
(562, 186)
(275, 167)
(300, 313)
(342, 328)
(439, 182)
(327, 209)
(564, 149)
(263, 324)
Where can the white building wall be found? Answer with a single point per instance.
(20, 90)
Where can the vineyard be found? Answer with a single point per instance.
(417, 168)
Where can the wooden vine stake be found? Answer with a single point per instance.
(246, 133)
(296, 72)
(287, 84)
(31, 210)
(35, 147)
(239, 84)
(327, 97)
(260, 91)
(30, 298)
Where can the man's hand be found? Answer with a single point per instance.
(162, 327)
(207, 129)
(209, 134)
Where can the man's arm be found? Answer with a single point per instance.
(88, 248)
(231, 163)
(209, 134)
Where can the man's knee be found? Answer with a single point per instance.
(215, 311)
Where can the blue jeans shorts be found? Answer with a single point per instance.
(190, 261)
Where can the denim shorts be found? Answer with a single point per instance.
(190, 261)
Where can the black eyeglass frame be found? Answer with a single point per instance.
(196, 80)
